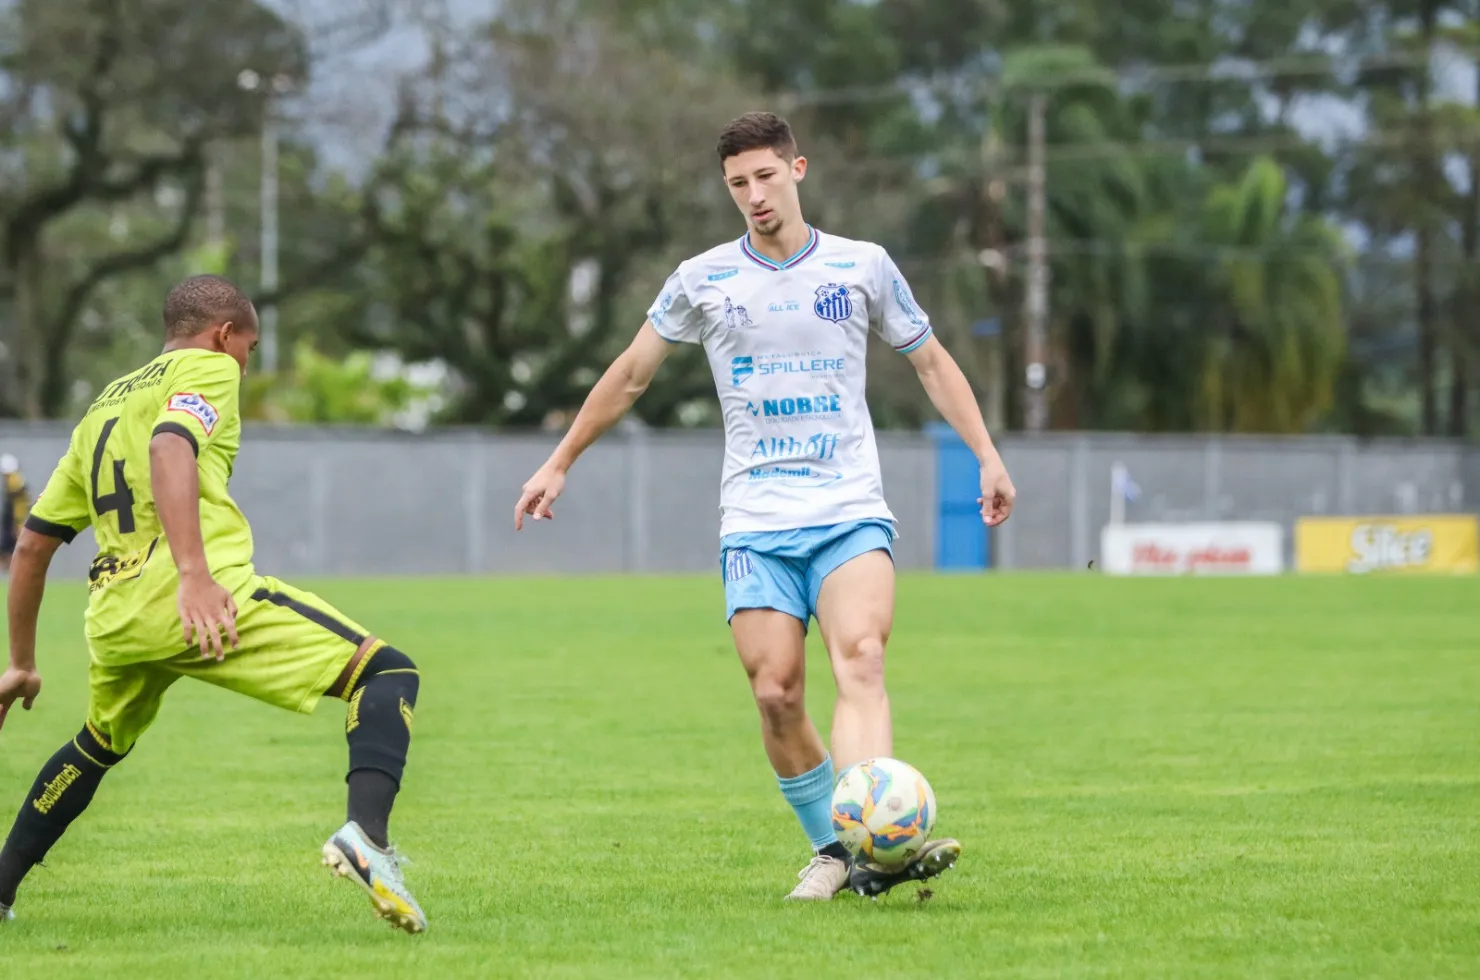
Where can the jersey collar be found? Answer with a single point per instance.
(769, 263)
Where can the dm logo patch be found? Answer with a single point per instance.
(833, 303)
(192, 404)
(737, 564)
(735, 316)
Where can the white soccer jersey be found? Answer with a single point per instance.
(786, 343)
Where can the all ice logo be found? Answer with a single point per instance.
(735, 316)
(787, 306)
(833, 303)
(741, 368)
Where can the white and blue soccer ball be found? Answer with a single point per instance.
(883, 811)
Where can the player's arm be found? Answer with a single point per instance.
(201, 400)
(902, 323)
(57, 516)
(28, 568)
(610, 398)
(952, 396)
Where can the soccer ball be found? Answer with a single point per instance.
(883, 811)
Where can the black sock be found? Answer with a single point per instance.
(836, 850)
(372, 793)
(378, 728)
(61, 792)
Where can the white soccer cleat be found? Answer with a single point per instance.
(822, 878)
(350, 854)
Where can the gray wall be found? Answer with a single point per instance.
(331, 501)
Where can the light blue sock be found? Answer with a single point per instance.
(810, 795)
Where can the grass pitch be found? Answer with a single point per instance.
(1182, 778)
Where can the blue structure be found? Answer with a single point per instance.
(961, 539)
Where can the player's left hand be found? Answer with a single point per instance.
(998, 493)
(539, 495)
(18, 685)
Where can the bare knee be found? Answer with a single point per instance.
(858, 664)
(780, 697)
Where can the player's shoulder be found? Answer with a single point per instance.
(204, 363)
(838, 252)
(723, 261)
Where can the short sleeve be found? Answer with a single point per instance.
(897, 317)
(202, 397)
(674, 317)
(61, 511)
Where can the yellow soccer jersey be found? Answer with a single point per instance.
(103, 481)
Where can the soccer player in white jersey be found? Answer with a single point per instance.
(784, 314)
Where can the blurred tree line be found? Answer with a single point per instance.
(1261, 216)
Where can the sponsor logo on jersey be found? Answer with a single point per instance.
(780, 449)
(833, 303)
(812, 363)
(824, 405)
(907, 304)
(722, 275)
(785, 306)
(741, 369)
(840, 265)
(659, 312)
(803, 477)
(192, 404)
(735, 316)
(800, 365)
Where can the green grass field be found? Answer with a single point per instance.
(1182, 778)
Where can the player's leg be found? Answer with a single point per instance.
(122, 704)
(855, 613)
(295, 649)
(765, 604)
(851, 583)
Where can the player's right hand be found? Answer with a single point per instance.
(206, 608)
(539, 494)
(18, 685)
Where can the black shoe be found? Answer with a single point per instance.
(934, 858)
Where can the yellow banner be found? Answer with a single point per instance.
(1363, 545)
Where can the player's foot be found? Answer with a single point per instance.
(7, 914)
(822, 878)
(934, 858)
(350, 854)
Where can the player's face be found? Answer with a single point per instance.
(764, 187)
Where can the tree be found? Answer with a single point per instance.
(534, 185)
(110, 104)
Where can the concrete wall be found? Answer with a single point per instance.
(329, 501)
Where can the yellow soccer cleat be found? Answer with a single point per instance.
(350, 854)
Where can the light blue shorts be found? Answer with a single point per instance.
(783, 570)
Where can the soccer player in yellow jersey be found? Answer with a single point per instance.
(174, 594)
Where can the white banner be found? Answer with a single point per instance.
(1241, 548)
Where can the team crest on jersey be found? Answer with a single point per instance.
(735, 316)
(192, 404)
(833, 303)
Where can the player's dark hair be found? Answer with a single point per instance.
(201, 301)
(757, 131)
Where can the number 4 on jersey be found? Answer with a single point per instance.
(122, 497)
